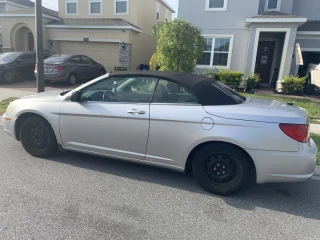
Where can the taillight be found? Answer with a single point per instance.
(297, 132)
(36, 67)
(59, 68)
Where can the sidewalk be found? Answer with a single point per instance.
(7, 93)
(315, 128)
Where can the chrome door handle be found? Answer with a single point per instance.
(135, 111)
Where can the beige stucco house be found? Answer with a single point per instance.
(112, 32)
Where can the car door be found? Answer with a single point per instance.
(176, 123)
(92, 68)
(78, 67)
(25, 66)
(110, 118)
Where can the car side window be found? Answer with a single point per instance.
(86, 60)
(121, 90)
(28, 57)
(170, 92)
(76, 60)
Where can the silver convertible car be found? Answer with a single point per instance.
(173, 120)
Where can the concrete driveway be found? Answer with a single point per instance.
(77, 196)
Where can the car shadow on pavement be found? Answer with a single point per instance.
(299, 199)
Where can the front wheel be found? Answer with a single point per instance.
(221, 169)
(37, 137)
(8, 77)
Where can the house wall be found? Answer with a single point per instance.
(10, 25)
(307, 8)
(230, 22)
(285, 7)
(141, 12)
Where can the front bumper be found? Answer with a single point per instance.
(8, 124)
(274, 166)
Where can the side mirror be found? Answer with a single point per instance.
(75, 97)
(19, 61)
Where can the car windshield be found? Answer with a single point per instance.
(231, 93)
(9, 57)
(56, 58)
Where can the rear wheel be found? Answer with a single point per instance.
(37, 137)
(72, 80)
(221, 169)
(8, 77)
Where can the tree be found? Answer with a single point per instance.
(180, 45)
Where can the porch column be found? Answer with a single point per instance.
(288, 53)
(251, 58)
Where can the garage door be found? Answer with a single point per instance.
(105, 53)
(308, 57)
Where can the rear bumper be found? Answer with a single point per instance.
(274, 166)
(60, 77)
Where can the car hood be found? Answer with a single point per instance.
(261, 110)
(49, 96)
(3, 63)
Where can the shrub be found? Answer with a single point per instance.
(252, 81)
(230, 78)
(120, 69)
(154, 63)
(292, 84)
(208, 73)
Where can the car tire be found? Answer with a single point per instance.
(72, 79)
(38, 138)
(221, 169)
(8, 77)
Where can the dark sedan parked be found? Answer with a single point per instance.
(17, 65)
(71, 68)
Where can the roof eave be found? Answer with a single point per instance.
(249, 21)
(29, 15)
(168, 5)
(95, 27)
(310, 33)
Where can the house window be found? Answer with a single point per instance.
(95, 6)
(72, 6)
(216, 5)
(158, 11)
(216, 52)
(272, 5)
(121, 6)
(167, 15)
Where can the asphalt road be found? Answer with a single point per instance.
(75, 196)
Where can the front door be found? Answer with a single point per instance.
(264, 60)
(110, 118)
(30, 41)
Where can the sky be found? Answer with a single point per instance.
(53, 4)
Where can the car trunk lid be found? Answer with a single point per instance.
(261, 110)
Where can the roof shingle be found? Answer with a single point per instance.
(91, 22)
(310, 26)
(275, 14)
(26, 3)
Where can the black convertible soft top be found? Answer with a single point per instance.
(208, 91)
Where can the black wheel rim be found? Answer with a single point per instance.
(38, 137)
(220, 168)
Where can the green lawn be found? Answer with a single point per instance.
(316, 139)
(312, 108)
(5, 103)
